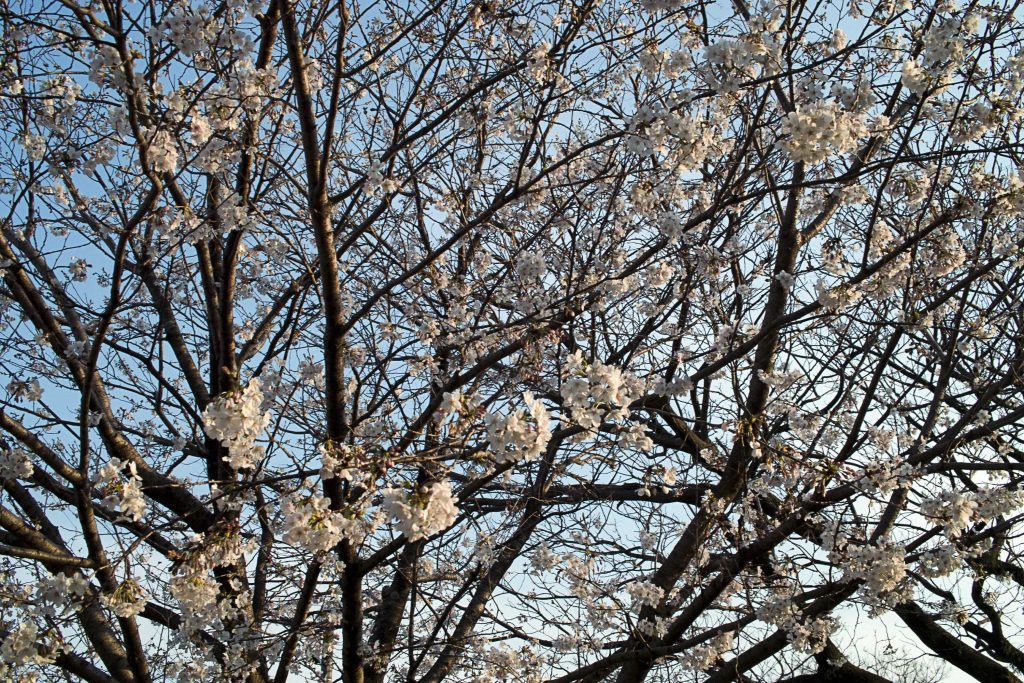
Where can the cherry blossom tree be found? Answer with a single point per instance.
(477, 340)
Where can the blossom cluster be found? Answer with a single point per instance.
(15, 464)
(59, 591)
(819, 130)
(197, 592)
(809, 636)
(596, 392)
(684, 140)
(124, 495)
(190, 32)
(530, 266)
(644, 594)
(310, 523)
(943, 47)
(422, 513)
(163, 154)
(79, 269)
(237, 419)
(940, 561)
(344, 461)
(197, 595)
(882, 567)
(519, 435)
(20, 648)
(703, 657)
(377, 181)
(127, 600)
(957, 510)
(543, 559)
(730, 61)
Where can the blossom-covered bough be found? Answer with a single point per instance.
(476, 340)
